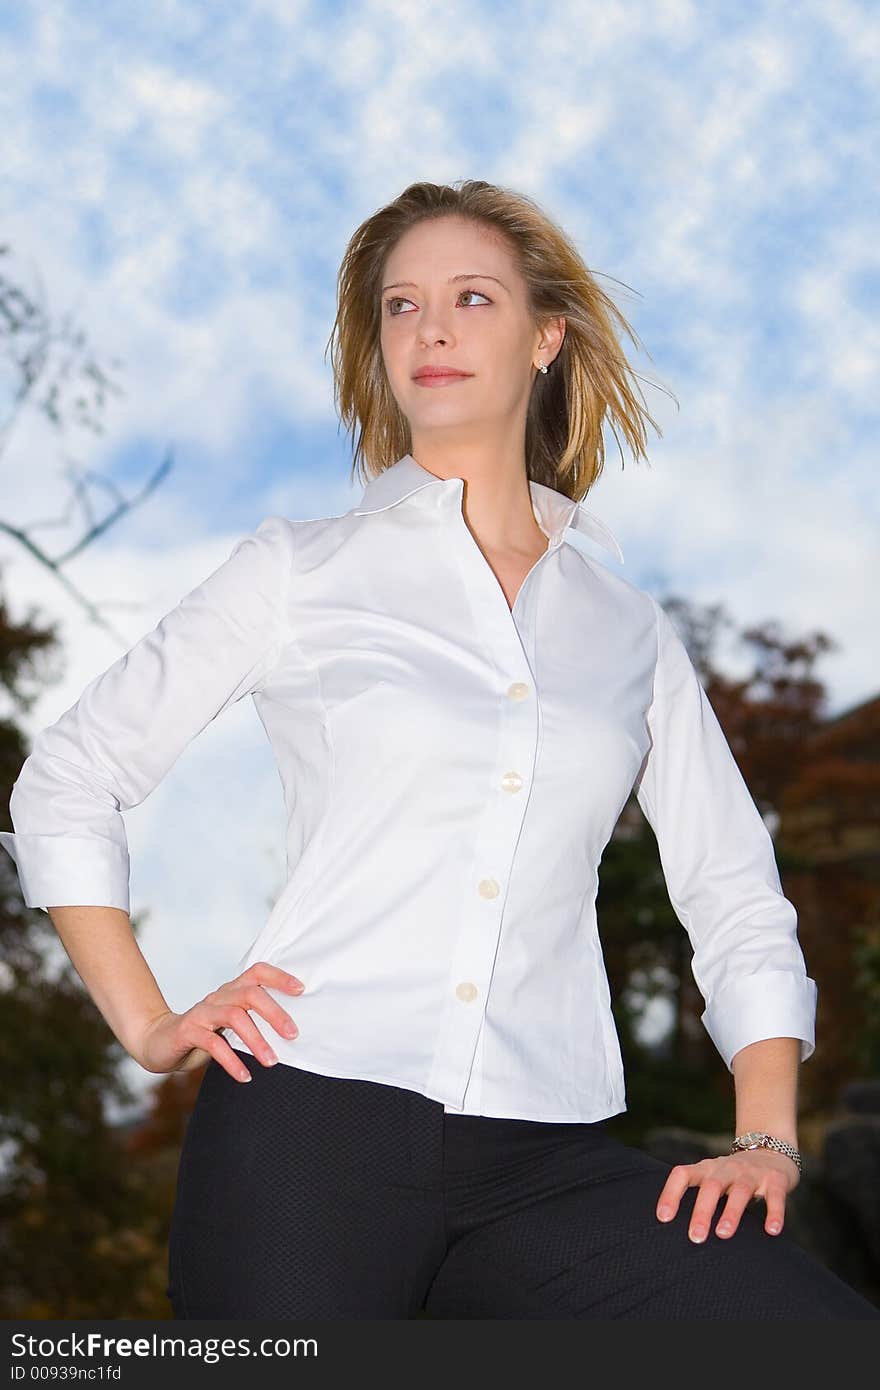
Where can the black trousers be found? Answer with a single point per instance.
(301, 1195)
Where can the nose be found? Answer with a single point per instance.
(435, 328)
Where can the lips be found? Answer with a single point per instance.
(432, 373)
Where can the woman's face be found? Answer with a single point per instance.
(452, 297)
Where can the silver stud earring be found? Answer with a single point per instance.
(542, 368)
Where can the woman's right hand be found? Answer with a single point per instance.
(182, 1042)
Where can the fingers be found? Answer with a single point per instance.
(273, 975)
(714, 1177)
(252, 993)
(775, 1198)
(744, 1192)
(219, 1049)
(710, 1190)
(677, 1183)
(228, 1007)
(236, 1017)
(738, 1199)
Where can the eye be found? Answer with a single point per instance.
(477, 292)
(398, 299)
(395, 299)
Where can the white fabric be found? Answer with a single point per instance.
(452, 773)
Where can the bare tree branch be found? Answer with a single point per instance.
(54, 372)
(54, 563)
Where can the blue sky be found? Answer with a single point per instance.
(186, 176)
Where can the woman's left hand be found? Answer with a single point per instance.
(744, 1176)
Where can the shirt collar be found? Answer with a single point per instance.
(554, 512)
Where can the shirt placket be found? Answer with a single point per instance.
(507, 791)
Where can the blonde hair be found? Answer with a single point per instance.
(589, 379)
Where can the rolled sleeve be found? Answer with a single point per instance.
(720, 867)
(131, 723)
(770, 1004)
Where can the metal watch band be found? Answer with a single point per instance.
(755, 1140)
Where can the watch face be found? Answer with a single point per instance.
(752, 1139)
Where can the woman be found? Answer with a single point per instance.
(461, 701)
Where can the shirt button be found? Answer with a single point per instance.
(488, 888)
(466, 991)
(511, 781)
(518, 691)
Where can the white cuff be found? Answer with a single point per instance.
(70, 870)
(771, 1004)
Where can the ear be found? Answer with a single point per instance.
(551, 338)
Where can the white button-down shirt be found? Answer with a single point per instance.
(452, 771)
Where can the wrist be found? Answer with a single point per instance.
(751, 1140)
(135, 1044)
(785, 1129)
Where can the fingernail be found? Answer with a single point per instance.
(698, 1234)
(664, 1213)
(271, 1058)
(774, 1228)
(724, 1229)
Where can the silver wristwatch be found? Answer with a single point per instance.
(755, 1140)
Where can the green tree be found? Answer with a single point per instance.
(80, 1235)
